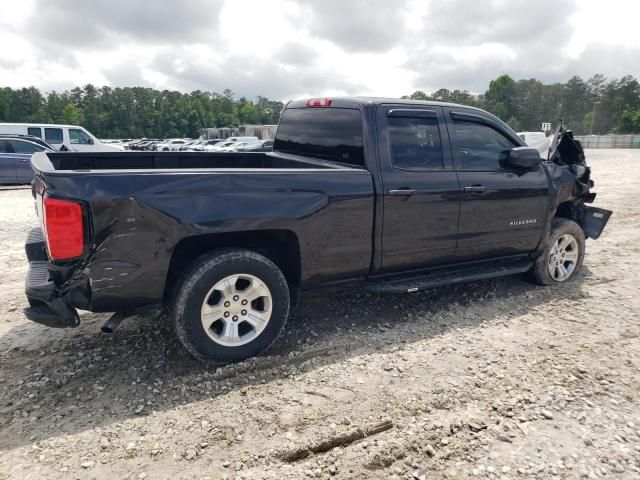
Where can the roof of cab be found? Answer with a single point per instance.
(357, 102)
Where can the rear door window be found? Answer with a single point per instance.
(328, 133)
(53, 136)
(35, 131)
(415, 143)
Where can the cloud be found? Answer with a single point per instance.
(298, 54)
(290, 48)
(79, 25)
(511, 22)
(242, 74)
(465, 45)
(358, 25)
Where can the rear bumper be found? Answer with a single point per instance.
(47, 305)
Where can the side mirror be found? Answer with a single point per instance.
(522, 158)
(90, 141)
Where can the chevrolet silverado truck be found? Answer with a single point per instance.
(380, 194)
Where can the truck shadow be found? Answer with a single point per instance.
(59, 382)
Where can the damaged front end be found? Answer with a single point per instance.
(570, 179)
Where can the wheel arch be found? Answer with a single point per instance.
(567, 210)
(280, 246)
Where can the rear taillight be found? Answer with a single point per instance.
(64, 229)
(319, 102)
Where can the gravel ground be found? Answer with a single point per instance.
(496, 379)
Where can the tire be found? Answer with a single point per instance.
(220, 323)
(558, 254)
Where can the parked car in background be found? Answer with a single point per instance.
(260, 146)
(238, 145)
(189, 145)
(220, 146)
(132, 145)
(243, 139)
(147, 145)
(226, 146)
(206, 145)
(29, 138)
(170, 144)
(61, 137)
(15, 158)
(143, 143)
(118, 142)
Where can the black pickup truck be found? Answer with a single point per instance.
(384, 194)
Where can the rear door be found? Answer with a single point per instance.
(54, 137)
(421, 190)
(7, 163)
(23, 152)
(502, 211)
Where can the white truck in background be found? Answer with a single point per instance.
(71, 138)
(537, 140)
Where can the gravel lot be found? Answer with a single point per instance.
(496, 379)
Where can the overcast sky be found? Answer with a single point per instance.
(288, 49)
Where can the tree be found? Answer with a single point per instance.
(597, 104)
(248, 113)
(629, 122)
(500, 98)
(71, 115)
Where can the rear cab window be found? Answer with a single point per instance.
(332, 133)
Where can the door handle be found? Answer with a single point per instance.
(475, 189)
(402, 192)
(23, 161)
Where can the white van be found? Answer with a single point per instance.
(72, 137)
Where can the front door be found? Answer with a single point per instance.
(80, 141)
(421, 191)
(503, 211)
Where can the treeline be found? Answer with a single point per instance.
(596, 105)
(136, 112)
(588, 106)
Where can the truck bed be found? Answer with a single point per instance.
(176, 160)
(143, 207)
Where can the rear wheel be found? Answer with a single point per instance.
(563, 254)
(230, 305)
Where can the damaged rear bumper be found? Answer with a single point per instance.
(48, 306)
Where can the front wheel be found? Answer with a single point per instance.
(563, 254)
(230, 305)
